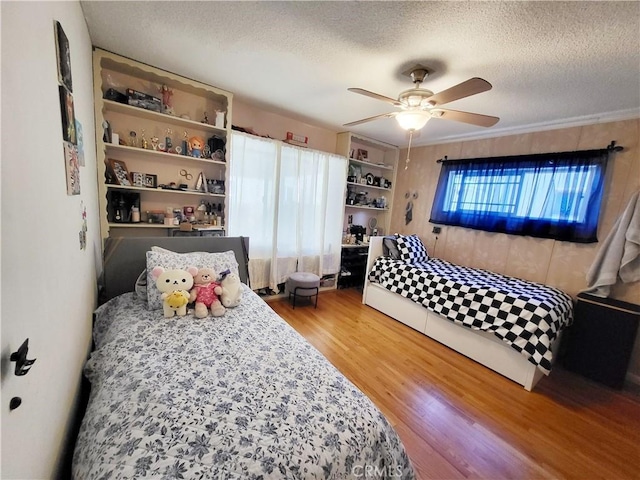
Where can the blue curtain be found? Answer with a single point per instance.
(554, 195)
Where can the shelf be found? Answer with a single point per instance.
(165, 190)
(365, 207)
(372, 165)
(364, 185)
(123, 108)
(160, 225)
(156, 153)
(195, 99)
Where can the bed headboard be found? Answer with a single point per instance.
(125, 257)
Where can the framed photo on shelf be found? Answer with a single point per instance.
(120, 173)
(150, 181)
(355, 171)
(362, 155)
(138, 179)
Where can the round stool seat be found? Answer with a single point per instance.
(305, 282)
(302, 284)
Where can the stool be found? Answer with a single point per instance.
(303, 284)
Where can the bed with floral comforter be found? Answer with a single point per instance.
(240, 396)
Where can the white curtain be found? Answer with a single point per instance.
(289, 201)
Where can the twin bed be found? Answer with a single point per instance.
(239, 396)
(245, 396)
(506, 324)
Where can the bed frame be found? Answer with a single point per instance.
(482, 347)
(125, 257)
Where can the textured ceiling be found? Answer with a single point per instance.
(548, 62)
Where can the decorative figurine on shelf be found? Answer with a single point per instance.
(196, 144)
(218, 155)
(167, 93)
(133, 139)
(206, 152)
(185, 144)
(205, 119)
(143, 141)
(167, 140)
(106, 129)
(154, 143)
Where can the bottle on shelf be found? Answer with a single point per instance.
(135, 214)
(219, 217)
(201, 212)
(119, 211)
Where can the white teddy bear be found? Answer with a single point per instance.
(175, 286)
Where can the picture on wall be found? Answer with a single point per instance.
(64, 57)
(68, 116)
(72, 168)
(80, 143)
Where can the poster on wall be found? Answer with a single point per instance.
(72, 168)
(80, 143)
(68, 116)
(64, 57)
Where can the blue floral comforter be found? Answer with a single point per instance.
(240, 396)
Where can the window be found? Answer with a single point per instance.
(555, 195)
(289, 201)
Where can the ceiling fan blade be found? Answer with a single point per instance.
(375, 117)
(465, 117)
(377, 96)
(465, 89)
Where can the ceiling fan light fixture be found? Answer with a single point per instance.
(413, 120)
(414, 101)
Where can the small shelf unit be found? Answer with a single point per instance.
(192, 103)
(381, 162)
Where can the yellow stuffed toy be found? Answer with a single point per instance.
(176, 299)
(175, 286)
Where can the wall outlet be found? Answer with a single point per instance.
(436, 230)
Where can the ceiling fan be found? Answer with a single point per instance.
(418, 105)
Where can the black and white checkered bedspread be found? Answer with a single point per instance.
(526, 315)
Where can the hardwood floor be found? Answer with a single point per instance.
(458, 419)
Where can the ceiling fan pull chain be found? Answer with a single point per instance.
(406, 165)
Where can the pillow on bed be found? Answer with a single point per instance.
(218, 261)
(390, 247)
(141, 286)
(411, 249)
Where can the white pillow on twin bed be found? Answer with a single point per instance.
(167, 259)
(411, 249)
(141, 286)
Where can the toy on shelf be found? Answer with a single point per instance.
(196, 144)
(167, 93)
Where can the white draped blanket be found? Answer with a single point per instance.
(619, 255)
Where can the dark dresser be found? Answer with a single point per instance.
(599, 343)
(353, 265)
